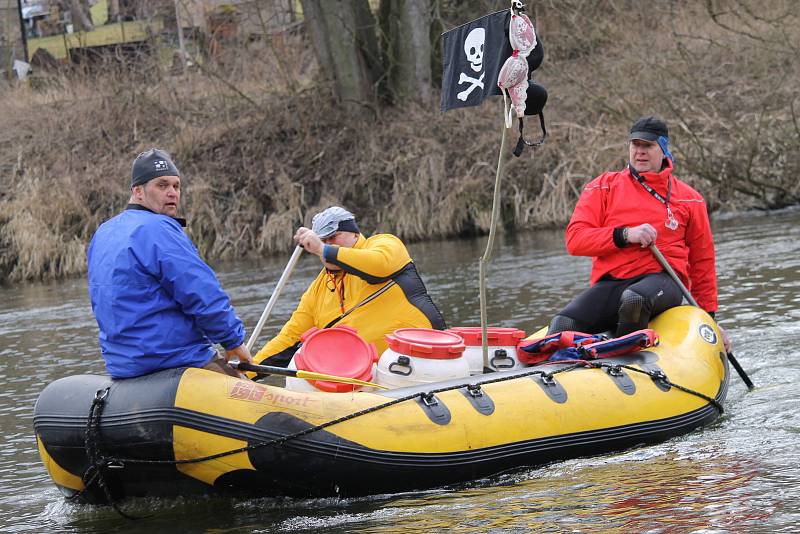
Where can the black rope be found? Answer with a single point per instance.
(655, 375)
(659, 375)
(95, 473)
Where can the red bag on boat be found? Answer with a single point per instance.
(537, 350)
(570, 345)
(641, 339)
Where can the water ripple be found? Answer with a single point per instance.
(740, 474)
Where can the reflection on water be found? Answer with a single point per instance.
(743, 473)
(647, 490)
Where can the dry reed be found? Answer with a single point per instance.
(262, 147)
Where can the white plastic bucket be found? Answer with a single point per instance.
(501, 342)
(421, 356)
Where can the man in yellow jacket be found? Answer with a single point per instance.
(370, 284)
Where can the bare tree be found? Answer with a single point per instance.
(81, 19)
(406, 39)
(343, 35)
(369, 63)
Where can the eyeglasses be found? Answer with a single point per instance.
(330, 238)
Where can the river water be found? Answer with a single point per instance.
(741, 474)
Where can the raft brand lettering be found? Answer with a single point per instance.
(256, 393)
(473, 48)
(160, 164)
(708, 334)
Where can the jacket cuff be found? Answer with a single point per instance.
(330, 253)
(236, 340)
(619, 241)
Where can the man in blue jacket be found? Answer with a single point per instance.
(157, 303)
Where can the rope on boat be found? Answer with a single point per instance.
(98, 463)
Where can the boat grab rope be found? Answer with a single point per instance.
(98, 464)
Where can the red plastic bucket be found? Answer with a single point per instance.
(338, 351)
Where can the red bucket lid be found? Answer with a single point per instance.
(496, 336)
(336, 351)
(426, 343)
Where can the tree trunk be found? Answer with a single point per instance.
(406, 27)
(343, 35)
(113, 10)
(80, 15)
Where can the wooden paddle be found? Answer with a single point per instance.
(308, 375)
(668, 268)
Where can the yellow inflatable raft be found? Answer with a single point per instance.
(193, 431)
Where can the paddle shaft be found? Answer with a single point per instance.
(274, 297)
(668, 268)
(295, 373)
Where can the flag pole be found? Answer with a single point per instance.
(501, 164)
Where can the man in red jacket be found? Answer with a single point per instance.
(618, 216)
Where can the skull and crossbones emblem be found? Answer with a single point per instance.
(473, 48)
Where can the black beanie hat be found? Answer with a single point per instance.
(150, 164)
(649, 129)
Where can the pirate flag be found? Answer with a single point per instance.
(472, 55)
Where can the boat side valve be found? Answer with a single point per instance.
(501, 360)
(402, 361)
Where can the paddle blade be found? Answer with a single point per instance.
(309, 375)
(271, 370)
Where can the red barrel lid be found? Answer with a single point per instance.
(336, 351)
(426, 343)
(496, 336)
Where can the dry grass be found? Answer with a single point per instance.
(262, 147)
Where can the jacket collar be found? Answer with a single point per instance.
(360, 242)
(655, 179)
(179, 220)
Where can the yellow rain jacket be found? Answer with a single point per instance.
(368, 266)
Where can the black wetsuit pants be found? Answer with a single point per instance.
(622, 306)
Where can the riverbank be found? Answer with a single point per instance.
(262, 147)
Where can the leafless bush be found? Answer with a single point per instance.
(262, 147)
(723, 73)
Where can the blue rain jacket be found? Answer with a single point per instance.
(157, 303)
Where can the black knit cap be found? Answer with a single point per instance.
(649, 129)
(150, 164)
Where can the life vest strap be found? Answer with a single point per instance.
(571, 345)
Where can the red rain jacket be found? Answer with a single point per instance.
(617, 199)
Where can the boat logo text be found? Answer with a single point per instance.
(253, 392)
